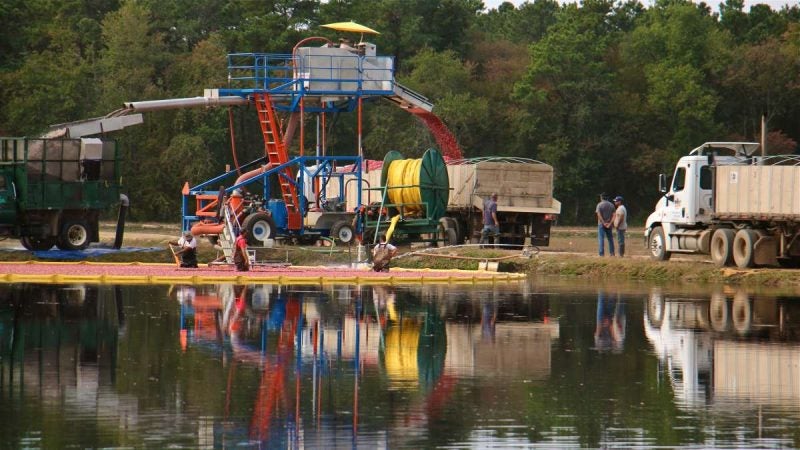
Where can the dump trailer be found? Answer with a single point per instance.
(53, 191)
(525, 204)
(726, 202)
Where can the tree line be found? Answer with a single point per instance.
(608, 93)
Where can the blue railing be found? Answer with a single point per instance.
(310, 74)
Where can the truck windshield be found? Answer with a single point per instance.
(680, 179)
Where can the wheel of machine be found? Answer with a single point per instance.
(74, 235)
(718, 312)
(260, 227)
(658, 245)
(722, 247)
(37, 244)
(343, 232)
(741, 312)
(744, 248)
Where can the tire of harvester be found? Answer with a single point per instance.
(75, 235)
(260, 227)
(342, 231)
(744, 248)
(722, 247)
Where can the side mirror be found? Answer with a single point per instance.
(662, 183)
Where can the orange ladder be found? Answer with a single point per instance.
(277, 155)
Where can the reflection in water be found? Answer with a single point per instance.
(381, 366)
(727, 347)
(609, 333)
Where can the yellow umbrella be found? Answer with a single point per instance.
(351, 27)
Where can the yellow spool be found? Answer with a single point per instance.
(405, 172)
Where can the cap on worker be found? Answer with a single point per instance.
(618, 198)
(188, 234)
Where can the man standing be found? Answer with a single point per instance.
(620, 223)
(491, 226)
(605, 219)
(240, 257)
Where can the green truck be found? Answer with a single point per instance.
(53, 191)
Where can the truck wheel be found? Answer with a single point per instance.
(744, 248)
(722, 247)
(452, 222)
(447, 236)
(36, 243)
(658, 245)
(342, 231)
(260, 227)
(451, 236)
(74, 235)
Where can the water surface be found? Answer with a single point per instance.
(527, 365)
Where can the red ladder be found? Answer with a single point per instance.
(276, 153)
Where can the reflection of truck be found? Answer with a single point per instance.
(728, 203)
(728, 346)
(52, 191)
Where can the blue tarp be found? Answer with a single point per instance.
(91, 252)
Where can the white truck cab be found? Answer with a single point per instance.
(680, 219)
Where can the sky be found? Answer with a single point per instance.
(774, 4)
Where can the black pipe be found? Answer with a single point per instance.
(124, 204)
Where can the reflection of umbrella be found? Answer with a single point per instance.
(351, 27)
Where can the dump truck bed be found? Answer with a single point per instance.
(521, 186)
(757, 192)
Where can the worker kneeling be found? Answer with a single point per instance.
(382, 253)
(187, 250)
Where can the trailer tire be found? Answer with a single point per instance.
(447, 236)
(722, 247)
(260, 227)
(658, 245)
(744, 248)
(75, 235)
(37, 244)
(342, 231)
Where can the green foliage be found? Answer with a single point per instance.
(609, 93)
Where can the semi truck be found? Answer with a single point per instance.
(727, 202)
(53, 191)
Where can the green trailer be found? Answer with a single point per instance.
(53, 191)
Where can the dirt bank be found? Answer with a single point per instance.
(572, 253)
